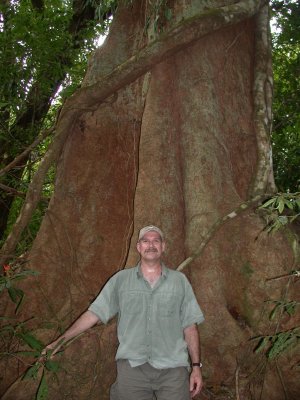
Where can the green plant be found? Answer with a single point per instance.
(286, 62)
(12, 274)
(281, 210)
(274, 345)
(39, 364)
(277, 343)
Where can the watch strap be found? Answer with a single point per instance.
(199, 364)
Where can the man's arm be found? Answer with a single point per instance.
(192, 339)
(83, 323)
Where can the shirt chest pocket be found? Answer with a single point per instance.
(167, 305)
(133, 303)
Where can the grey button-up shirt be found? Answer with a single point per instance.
(150, 320)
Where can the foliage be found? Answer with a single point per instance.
(39, 49)
(276, 344)
(281, 210)
(11, 275)
(31, 230)
(44, 52)
(286, 104)
(20, 342)
(103, 9)
(288, 307)
(40, 363)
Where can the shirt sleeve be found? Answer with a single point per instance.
(191, 312)
(105, 306)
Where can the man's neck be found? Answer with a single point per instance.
(151, 272)
(149, 267)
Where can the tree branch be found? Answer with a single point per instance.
(12, 191)
(178, 37)
(35, 188)
(26, 152)
(217, 225)
(15, 192)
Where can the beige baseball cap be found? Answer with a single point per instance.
(150, 228)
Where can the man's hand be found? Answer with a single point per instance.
(192, 339)
(52, 349)
(196, 382)
(84, 322)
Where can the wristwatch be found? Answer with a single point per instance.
(199, 364)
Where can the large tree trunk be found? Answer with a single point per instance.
(180, 147)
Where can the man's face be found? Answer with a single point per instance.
(150, 246)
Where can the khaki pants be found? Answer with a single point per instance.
(147, 383)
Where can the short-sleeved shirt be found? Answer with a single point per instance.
(150, 320)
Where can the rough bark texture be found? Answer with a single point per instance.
(177, 148)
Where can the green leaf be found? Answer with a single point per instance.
(42, 392)
(15, 294)
(281, 206)
(168, 14)
(281, 342)
(7, 283)
(25, 274)
(268, 203)
(19, 303)
(273, 312)
(283, 219)
(289, 204)
(290, 308)
(32, 372)
(32, 341)
(261, 344)
(52, 366)
(28, 353)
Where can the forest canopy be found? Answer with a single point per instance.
(286, 105)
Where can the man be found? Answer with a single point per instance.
(157, 316)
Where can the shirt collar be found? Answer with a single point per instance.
(164, 270)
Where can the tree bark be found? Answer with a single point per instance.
(88, 98)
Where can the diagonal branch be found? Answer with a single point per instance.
(35, 189)
(217, 225)
(178, 37)
(12, 191)
(26, 152)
